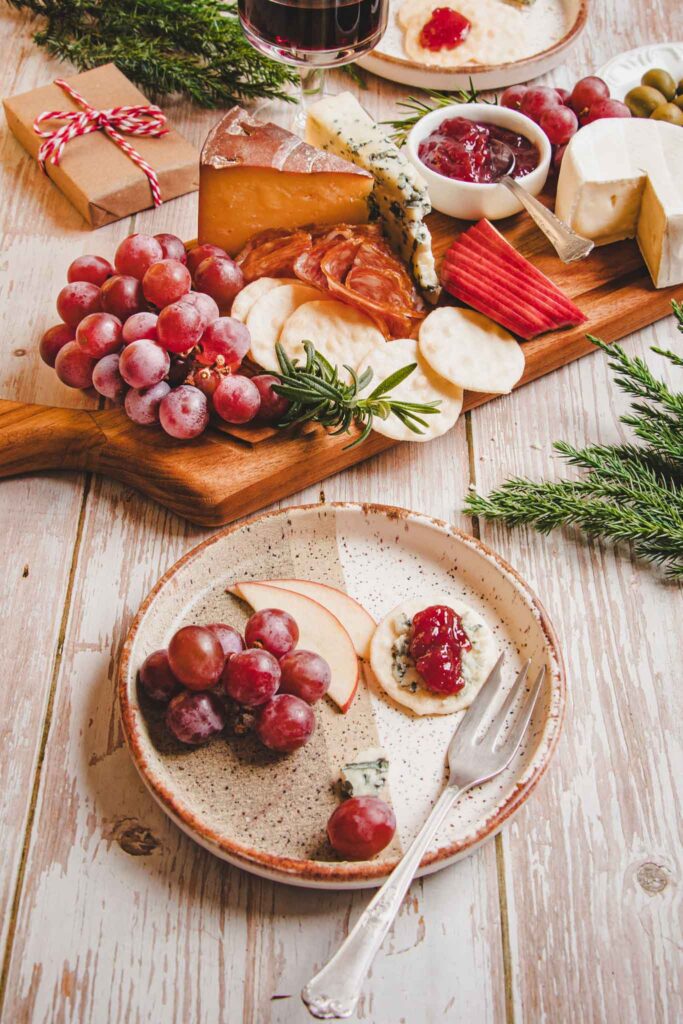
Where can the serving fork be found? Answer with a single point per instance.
(481, 747)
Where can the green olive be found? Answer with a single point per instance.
(679, 88)
(642, 100)
(668, 112)
(660, 79)
(679, 101)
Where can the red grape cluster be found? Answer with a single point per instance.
(263, 672)
(560, 113)
(140, 335)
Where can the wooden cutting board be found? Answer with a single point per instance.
(220, 477)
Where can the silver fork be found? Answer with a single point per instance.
(478, 750)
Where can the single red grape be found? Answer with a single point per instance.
(538, 99)
(273, 406)
(201, 252)
(219, 277)
(305, 674)
(156, 677)
(251, 677)
(559, 124)
(564, 94)
(73, 366)
(207, 306)
(586, 92)
(605, 109)
(361, 827)
(94, 269)
(179, 327)
(172, 247)
(143, 363)
(196, 657)
(512, 96)
(274, 630)
(236, 399)
(54, 339)
(107, 379)
(136, 254)
(78, 300)
(99, 334)
(285, 723)
(140, 325)
(207, 380)
(184, 412)
(193, 718)
(142, 406)
(122, 296)
(230, 639)
(166, 282)
(225, 342)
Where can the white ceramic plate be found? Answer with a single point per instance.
(267, 813)
(624, 71)
(389, 59)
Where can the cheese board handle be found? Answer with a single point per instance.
(34, 437)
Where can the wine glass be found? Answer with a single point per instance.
(313, 35)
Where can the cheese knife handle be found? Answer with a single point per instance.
(334, 991)
(567, 244)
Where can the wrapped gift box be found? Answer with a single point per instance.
(101, 181)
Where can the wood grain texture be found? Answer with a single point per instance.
(571, 916)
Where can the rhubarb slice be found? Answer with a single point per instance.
(484, 271)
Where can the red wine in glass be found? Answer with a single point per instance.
(314, 33)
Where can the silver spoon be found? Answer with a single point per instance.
(567, 244)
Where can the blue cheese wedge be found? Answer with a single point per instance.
(340, 125)
(395, 670)
(366, 775)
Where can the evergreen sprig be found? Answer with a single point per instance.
(630, 492)
(193, 48)
(417, 107)
(316, 392)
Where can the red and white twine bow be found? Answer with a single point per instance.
(136, 120)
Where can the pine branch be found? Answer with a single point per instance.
(194, 48)
(630, 492)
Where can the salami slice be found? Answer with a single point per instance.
(274, 257)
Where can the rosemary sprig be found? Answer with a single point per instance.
(194, 48)
(630, 492)
(316, 392)
(418, 107)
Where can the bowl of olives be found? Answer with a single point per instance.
(649, 79)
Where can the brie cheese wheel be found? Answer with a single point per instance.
(394, 668)
(623, 178)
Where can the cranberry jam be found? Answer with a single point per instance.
(445, 30)
(461, 149)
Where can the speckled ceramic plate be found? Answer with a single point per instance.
(545, 49)
(623, 72)
(267, 813)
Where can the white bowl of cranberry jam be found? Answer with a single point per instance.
(464, 149)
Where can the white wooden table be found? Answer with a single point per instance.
(108, 913)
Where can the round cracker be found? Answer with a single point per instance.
(468, 349)
(341, 333)
(477, 663)
(423, 385)
(245, 299)
(267, 317)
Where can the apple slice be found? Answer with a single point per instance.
(319, 631)
(357, 622)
